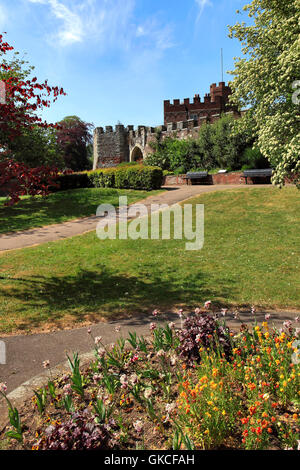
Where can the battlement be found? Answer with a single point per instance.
(215, 101)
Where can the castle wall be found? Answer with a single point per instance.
(110, 146)
(214, 102)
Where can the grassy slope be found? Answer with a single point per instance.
(251, 255)
(61, 206)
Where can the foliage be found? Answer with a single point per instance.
(74, 138)
(127, 177)
(215, 146)
(80, 432)
(35, 147)
(264, 81)
(202, 331)
(68, 180)
(24, 96)
(252, 158)
(18, 180)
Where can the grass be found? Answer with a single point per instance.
(251, 256)
(59, 207)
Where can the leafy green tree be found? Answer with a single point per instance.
(36, 147)
(74, 137)
(265, 81)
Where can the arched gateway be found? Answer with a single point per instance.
(136, 154)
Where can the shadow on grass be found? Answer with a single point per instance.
(53, 208)
(103, 293)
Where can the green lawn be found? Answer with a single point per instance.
(251, 255)
(61, 206)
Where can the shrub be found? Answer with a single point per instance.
(202, 331)
(102, 178)
(252, 158)
(80, 432)
(72, 181)
(127, 177)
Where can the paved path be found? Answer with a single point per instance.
(50, 233)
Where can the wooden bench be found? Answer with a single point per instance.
(266, 173)
(198, 176)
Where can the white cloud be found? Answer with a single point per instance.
(71, 29)
(109, 24)
(201, 5)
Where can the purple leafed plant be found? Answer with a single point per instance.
(202, 331)
(80, 432)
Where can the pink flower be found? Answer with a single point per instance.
(67, 389)
(124, 381)
(46, 364)
(267, 316)
(197, 311)
(155, 313)
(224, 311)
(207, 304)
(89, 331)
(152, 326)
(117, 328)
(180, 313)
(138, 425)
(3, 387)
(134, 358)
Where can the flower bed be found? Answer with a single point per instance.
(199, 387)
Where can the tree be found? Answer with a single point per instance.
(37, 146)
(24, 96)
(265, 80)
(74, 138)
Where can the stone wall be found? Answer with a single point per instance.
(114, 146)
(110, 146)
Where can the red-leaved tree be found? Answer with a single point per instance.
(23, 98)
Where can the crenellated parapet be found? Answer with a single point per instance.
(217, 101)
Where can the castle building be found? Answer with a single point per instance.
(215, 102)
(181, 120)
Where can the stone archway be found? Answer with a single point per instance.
(136, 154)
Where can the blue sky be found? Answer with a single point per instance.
(119, 59)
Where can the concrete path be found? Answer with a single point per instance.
(50, 233)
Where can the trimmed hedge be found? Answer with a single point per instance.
(121, 177)
(127, 177)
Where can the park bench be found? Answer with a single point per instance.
(266, 173)
(196, 177)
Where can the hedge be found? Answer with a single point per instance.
(121, 177)
(128, 177)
